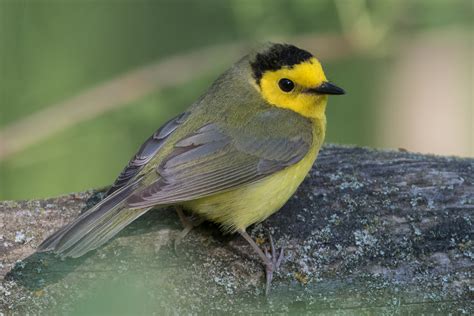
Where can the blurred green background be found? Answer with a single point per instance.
(406, 65)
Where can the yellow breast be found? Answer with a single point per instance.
(244, 206)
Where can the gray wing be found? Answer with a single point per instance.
(208, 161)
(212, 160)
(151, 146)
(100, 223)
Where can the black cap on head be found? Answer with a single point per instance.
(276, 57)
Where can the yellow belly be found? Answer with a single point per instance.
(239, 208)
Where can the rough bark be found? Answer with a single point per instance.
(367, 232)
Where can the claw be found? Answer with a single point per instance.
(187, 224)
(281, 256)
(273, 264)
(272, 245)
(270, 259)
(181, 236)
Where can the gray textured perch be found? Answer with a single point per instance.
(367, 232)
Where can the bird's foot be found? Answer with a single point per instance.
(181, 235)
(272, 264)
(187, 224)
(271, 260)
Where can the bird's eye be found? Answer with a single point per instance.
(286, 85)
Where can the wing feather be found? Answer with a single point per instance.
(147, 151)
(214, 160)
(208, 161)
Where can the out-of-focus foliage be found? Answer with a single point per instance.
(53, 50)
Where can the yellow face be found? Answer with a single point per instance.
(290, 88)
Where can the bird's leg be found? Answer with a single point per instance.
(187, 226)
(271, 261)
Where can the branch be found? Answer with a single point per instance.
(367, 232)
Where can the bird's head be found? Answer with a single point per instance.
(292, 78)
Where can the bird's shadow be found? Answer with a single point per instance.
(41, 269)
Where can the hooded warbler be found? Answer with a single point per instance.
(234, 157)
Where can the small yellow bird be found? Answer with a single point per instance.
(233, 158)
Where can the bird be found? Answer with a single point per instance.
(234, 157)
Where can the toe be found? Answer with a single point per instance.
(269, 278)
(280, 258)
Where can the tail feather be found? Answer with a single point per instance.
(103, 232)
(95, 227)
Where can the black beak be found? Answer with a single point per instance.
(327, 88)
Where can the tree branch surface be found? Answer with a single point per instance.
(368, 232)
